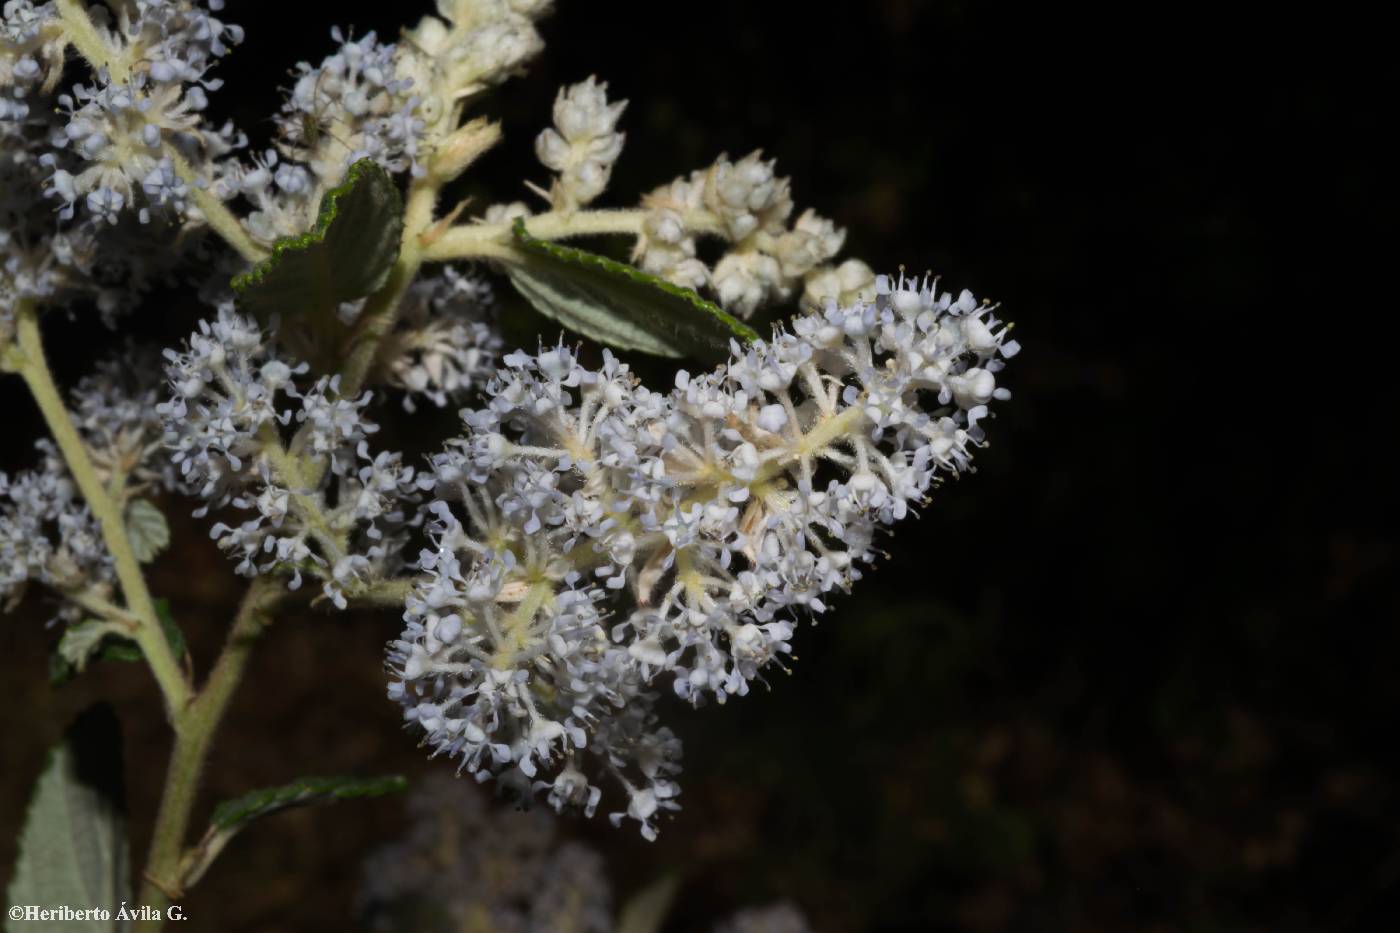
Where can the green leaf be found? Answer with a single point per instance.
(73, 848)
(119, 649)
(346, 255)
(146, 529)
(232, 816)
(80, 641)
(646, 910)
(617, 304)
(61, 670)
(63, 660)
(173, 636)
(236, 813)
(94, 639)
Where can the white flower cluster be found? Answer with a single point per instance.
(36, 262)
(121, 135)
(231, 397)
(767, 260)
(380, 101)
(115, 410)
(444, 344)
(582, 145)
(355, 105)
(47, 532)
(705, 517)
(480, 643)
(31, 56)
(591, 540)
(113, 266)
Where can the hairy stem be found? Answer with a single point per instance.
(476, 241)
(289, 470)
(84, 36)
(381, 594)
(194, 733)
(33, 367)
(219, 218)
(103, 609)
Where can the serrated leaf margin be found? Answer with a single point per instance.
(570, 254)
(231, 814)
(325, 216)
(146, 529)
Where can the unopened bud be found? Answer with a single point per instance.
(463, 148)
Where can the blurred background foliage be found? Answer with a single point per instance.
(1134, 674)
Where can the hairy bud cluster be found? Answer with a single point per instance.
(380, 101)
(582, 145)
(704, 521)
(767, 260)
(475, 45)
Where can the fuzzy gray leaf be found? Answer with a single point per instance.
(81, 640)
(146, 529)
(73, 848)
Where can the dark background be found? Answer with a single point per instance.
(1133, 674)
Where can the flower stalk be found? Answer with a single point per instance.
(32, 366)
(194, 734)
(492, 240)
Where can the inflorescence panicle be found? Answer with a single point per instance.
(594, 538)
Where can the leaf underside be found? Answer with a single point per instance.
(73, 848)
(147, 529)
(120, 648)
(617, 304)
(346, 255)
